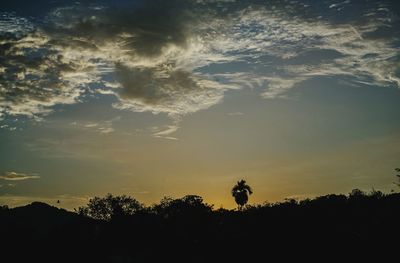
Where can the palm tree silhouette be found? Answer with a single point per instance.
(240, 192)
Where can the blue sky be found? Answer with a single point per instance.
(166, 98)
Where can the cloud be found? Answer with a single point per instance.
(175, 92)
(14, 176)
(34, 78)
(83, 46)
(165, 133)
(91, 125)
(278, 86)
(102, 127)
(179, 57)
(146, 29)
(300, 49)
(238, 113)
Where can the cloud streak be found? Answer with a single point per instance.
(14, 176)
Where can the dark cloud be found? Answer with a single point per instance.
(172, 91)
(148, 26)
(154, 87)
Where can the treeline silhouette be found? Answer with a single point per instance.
(337, 228)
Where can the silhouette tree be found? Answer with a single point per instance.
(240, 192)
(110, 207)
(397, 170)
(356, 194)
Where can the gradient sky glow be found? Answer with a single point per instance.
(166, 98)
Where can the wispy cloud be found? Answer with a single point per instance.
(14, 176)
(277, 86)
(102, 127)
(165, 132)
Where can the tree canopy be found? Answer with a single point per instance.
(109, 207)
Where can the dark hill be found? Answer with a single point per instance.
(39, 216)
(39, 232)
(43, 210)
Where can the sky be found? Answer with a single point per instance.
(153, 98)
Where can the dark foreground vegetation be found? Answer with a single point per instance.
(335, 228)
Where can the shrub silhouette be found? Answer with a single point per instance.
(240, 192)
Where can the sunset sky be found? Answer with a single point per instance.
(154, 98)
